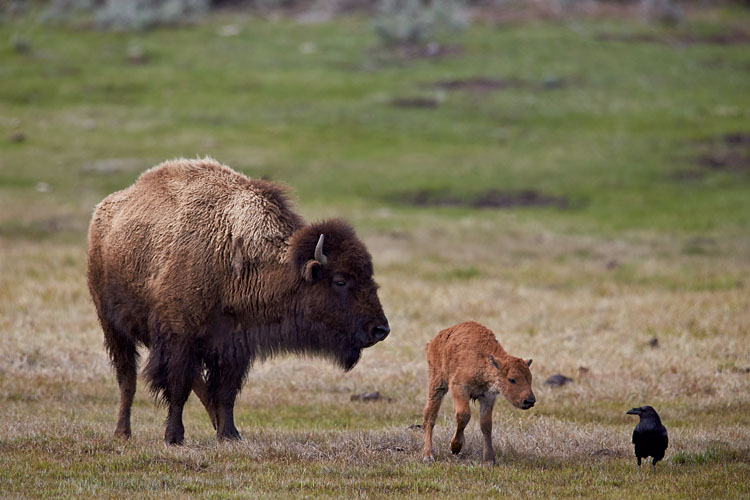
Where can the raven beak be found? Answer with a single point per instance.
(633, 411)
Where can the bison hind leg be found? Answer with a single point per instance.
(171, 370)
(124, 357)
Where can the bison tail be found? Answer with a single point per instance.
(170, 370)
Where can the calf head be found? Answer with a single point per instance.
(511, 377)
(337, 295)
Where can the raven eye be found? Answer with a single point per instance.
(512, 380)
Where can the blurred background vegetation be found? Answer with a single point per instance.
(583, 115)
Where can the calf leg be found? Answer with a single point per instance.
(463, 415)
(435, 393)
(485, 423)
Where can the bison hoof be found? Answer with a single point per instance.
(174, 438)
(123, 434)
(488, 462)
(230, 435)
(428, 459)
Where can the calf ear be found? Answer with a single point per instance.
(312, 271)
(528, 362)
(492, 361)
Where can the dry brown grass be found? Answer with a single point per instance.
(559, 299)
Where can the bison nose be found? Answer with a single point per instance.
(529, 401)
(380, 332)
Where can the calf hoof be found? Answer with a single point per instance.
(456, 446)
(428, 459)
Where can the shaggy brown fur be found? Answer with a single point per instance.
(211, 270)
(468, 360)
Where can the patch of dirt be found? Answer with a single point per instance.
(734, 37)
(415, 102)
(479, 84)
(491, 198)
(724, 153)
(728, 152)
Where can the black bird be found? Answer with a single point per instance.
(649, 436)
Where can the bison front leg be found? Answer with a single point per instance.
(224, 383)
(435, 393)
(463, 415)
(485, 423)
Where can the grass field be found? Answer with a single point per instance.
(581, 187)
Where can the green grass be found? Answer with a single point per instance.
(651, 244)
(611, 139)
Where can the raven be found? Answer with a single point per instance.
(649, 436)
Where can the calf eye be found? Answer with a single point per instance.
(512, 380)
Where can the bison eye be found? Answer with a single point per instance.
(340, 283)
(512, 380)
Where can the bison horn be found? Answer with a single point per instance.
(319, 255)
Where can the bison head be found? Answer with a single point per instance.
(337, 295)
(511, 377)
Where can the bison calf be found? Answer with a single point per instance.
(211, 271)
(468, 360)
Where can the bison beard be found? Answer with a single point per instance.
(211, 271)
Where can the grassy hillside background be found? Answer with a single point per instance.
(581, 186)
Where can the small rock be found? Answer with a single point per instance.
(552, 83)
(369, 396)
(582, 370)
(20, 45)
(557, 380)
(308, 48)
(136, 55)
(229, 30)
(42, 187)
(603, 452)
(654, 342)
(611, 264)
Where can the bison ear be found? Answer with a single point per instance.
(312, 271)
(528, 362)
(492, 361)
(238, 260)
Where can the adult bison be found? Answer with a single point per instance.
(211, 270)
